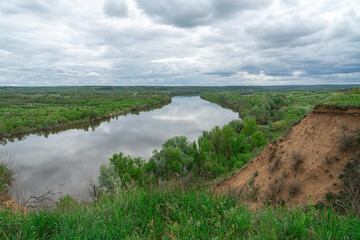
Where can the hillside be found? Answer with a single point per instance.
(304, 166)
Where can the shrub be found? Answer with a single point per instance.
(276, 165)
(67, 203)
(258, 139)
(297, 159)
(108, 179)
(294, 188)
(349, 199)
(175, 158)
(249, 127)
(274, 190)
(237, 125)
(346, 142)
(5, 178)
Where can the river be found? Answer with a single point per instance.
(68, 159)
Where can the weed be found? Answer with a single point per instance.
(6, 179)
(348, 200)
(276, 165)
(328, 161)
(297, 159)
(251, 191)
(274, 190)
(329, 196)
(294, 188)
(346, 142)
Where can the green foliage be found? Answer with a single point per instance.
(128, 169)
(122, 172)
(279, 110)
(6, 178)
(351, 98)
(175, 158)
(216, 152)
(108, 178)
(141, 214)
(249, 127)
(258, 139)
(28, 111)
(348, 200)
(67, 203)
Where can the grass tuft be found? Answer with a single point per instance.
(297, 159)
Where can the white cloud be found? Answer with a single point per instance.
(175, 59)
(298, 72)
(93, 74)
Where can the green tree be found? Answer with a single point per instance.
(175, 158)
(249, 127)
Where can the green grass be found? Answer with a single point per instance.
(5, 179)
(28, 111)
(342, 100)
(141, 214)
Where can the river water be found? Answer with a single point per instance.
(68, 159)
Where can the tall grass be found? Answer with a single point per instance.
(6, 178)
(342, 100)
(159, 214)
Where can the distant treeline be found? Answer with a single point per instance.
(174, 90)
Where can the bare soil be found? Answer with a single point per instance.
(7, 202)
(302, 167)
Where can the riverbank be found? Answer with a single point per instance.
(32, 113)
(87, 122)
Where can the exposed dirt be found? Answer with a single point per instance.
(6, 202)
(303, 166)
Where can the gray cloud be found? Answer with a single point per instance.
(116, 8)
(286, 32)
(205, 42)
(187, 14)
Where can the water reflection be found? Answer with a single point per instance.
(71, 157)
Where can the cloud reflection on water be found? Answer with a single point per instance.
(72, 157)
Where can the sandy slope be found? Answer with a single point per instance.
(316, 141)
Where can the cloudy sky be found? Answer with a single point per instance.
(179, 42)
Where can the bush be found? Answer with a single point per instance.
(122, 171)
(294, 188)
(297, 159)
(349, 199)
(5, 179)
(249, 127)
(276, 165)
(108, 179)
(237, 125)
(346, 142)
(175, 158)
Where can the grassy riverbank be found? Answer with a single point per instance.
(27, 111)
(278, 111)
(175, 214)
